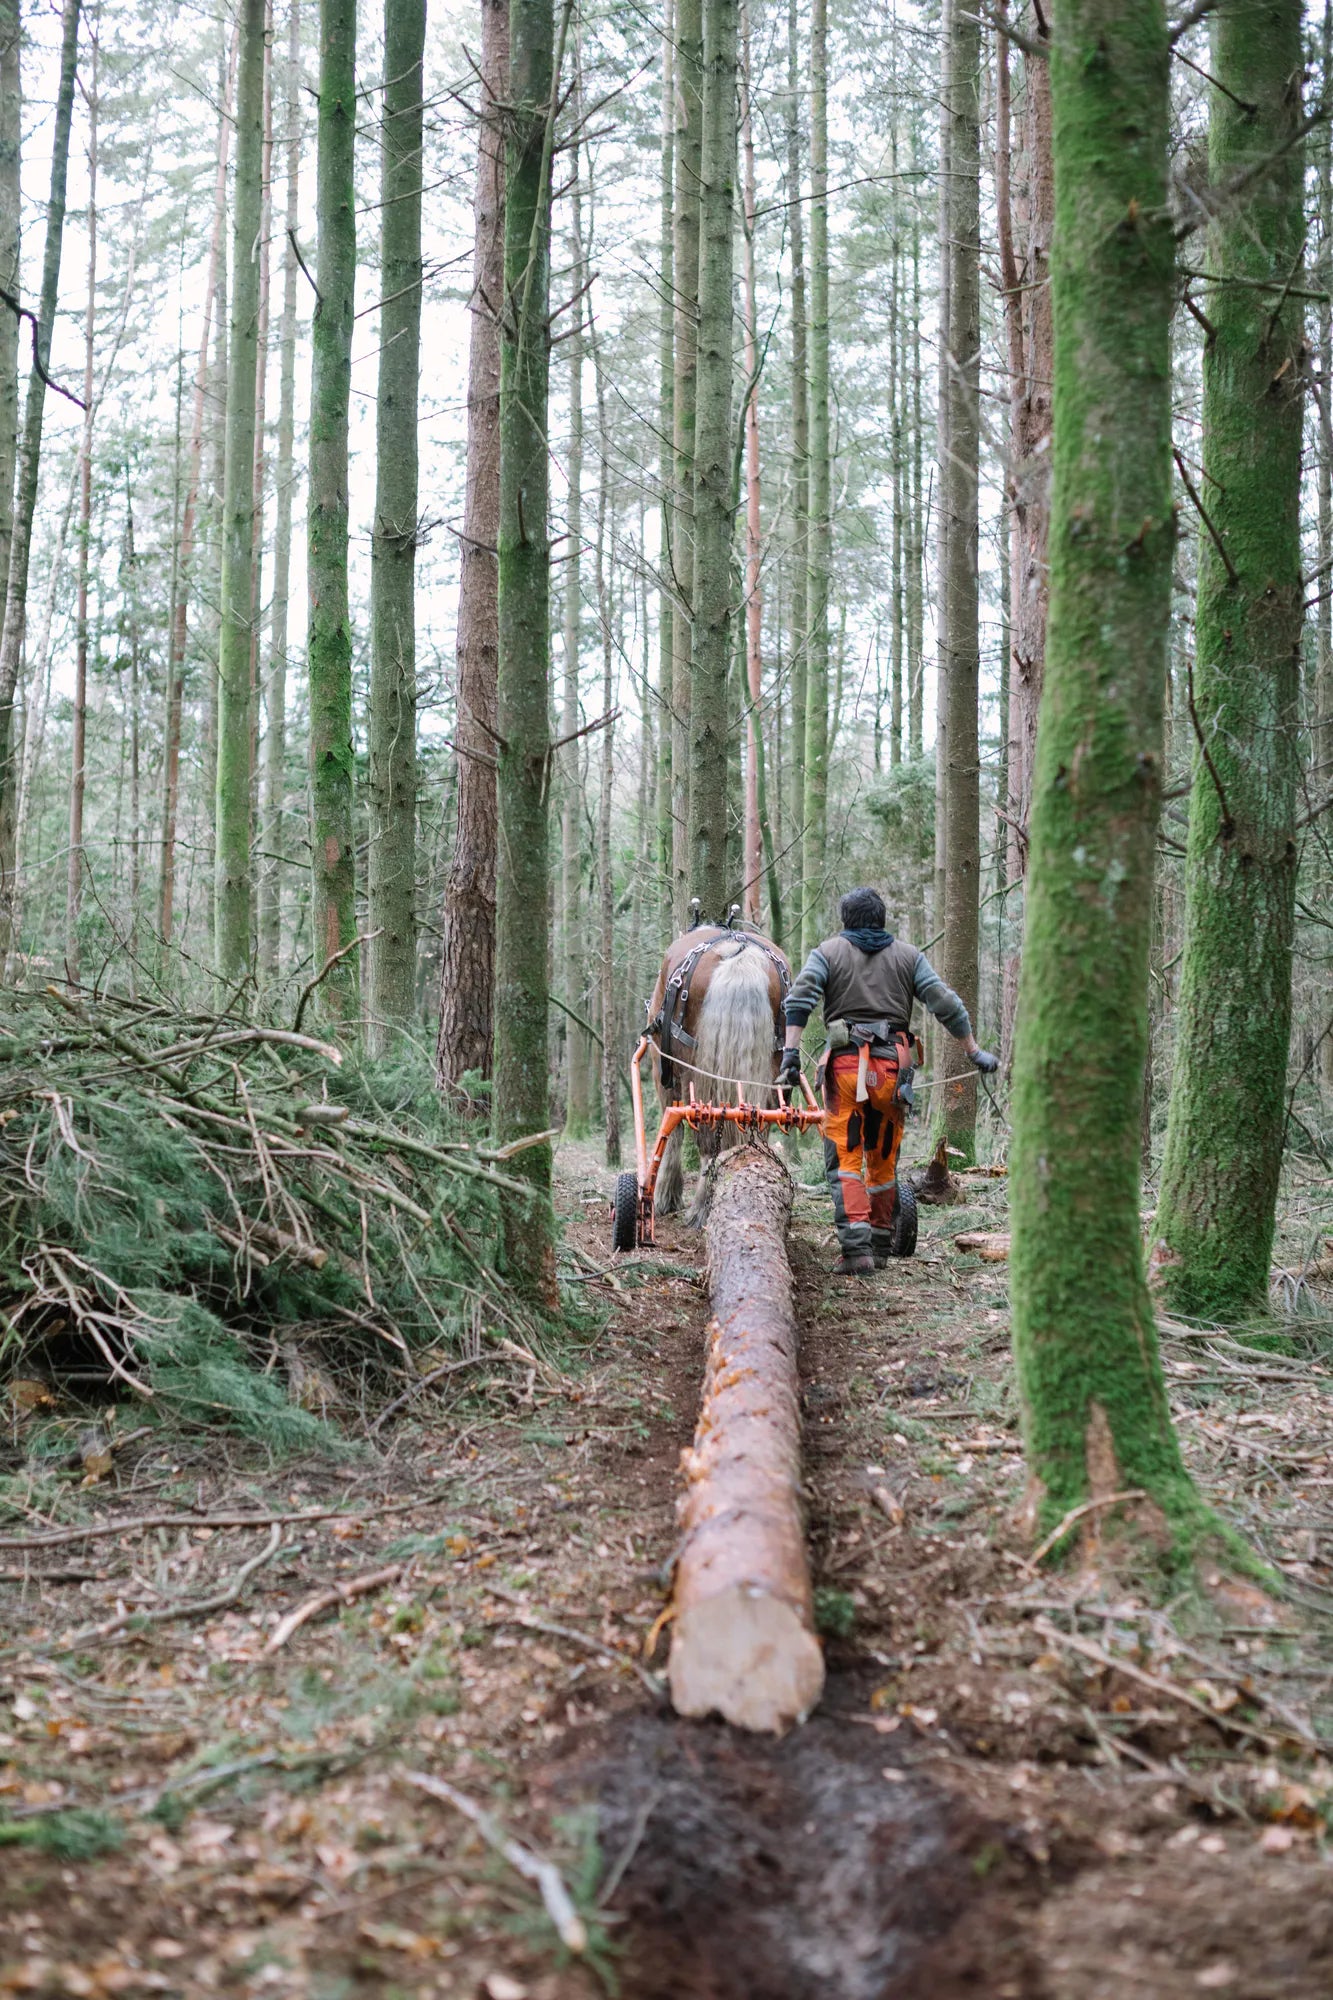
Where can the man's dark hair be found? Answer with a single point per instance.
(862, 910)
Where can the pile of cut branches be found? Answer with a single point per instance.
(188, 1203)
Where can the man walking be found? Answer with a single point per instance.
(866, 980)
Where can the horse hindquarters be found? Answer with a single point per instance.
(735, 1037)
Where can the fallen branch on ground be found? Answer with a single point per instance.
(556, 1898)
(328, 1600)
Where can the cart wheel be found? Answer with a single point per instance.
(903, 1239)
(625, 1213)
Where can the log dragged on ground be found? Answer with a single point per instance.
(743, 1642)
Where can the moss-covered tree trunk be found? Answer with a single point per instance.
(956, 1104)
(29, 463)
(522, 930)
(329, 638)
(467, 950)
(714, 449)
(273, 817)
(685, 233)
(1215, 1212)
(392, 731)
(819, 546)
(798, 547)
(1095, 1414)
(235, 744)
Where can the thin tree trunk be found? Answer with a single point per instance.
(1228, 1116)
(754, 603)
(666, 404)
(332, 850)
(798, 551)
(467, 950)
(522, 930)
(391, 875)
(956, 1104)
(273, 817)
(1095, 1414)
(79, 730)
(943, 408)
(1026, 224)
(689, 172)
(606, 900)
(234, 744)
(263, 252)
(916, 553)
(573, 944)
(11, 110)
(814, 888)
(29, 465)
(1323, 739)
(897, 591)
(130, 600)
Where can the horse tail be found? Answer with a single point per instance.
(734, 1038)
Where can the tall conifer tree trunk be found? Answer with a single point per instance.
(79, 720)
(1215, 1213)
(685, 278)
(232, 878)
(467, 957)
(273, 817)
(522, 929)
(391, 871)
(29, 463)
(666, 401)
(754, 604)
(11, 109)
(579, 1059)
(814, 889)
(710, 652)
(799, 553)
(956, 1104)
(330, 633)
(1026, 218)
(1095, 1414)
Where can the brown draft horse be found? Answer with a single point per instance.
(716, 1018)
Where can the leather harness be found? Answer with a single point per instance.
(668, 1025)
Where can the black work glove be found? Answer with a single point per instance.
(985, 1061)
(789, 1070)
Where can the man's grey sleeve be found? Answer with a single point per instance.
(942, 1001)
(808, 990)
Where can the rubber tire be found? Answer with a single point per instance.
(902, 1242)
(625, 1213)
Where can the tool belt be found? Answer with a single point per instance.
(877, 1038)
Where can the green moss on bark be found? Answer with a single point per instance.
(391, 869)
(1094, 1404)
(332, 762)
(714, 447)
(523, 873)
(1215, 1215)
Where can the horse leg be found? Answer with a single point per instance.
(670, 1176)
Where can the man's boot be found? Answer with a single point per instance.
(857, 1260)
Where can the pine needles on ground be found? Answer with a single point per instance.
(226, 1221)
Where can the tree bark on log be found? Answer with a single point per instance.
(743, 1642)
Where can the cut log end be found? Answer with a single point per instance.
(746, 1656)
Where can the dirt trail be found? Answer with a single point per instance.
(972, 1811)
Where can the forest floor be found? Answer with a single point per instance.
(1019, 1783)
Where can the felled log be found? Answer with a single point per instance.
(743, 1643)
(990, 1249)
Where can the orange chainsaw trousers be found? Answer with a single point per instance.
(861, 1141)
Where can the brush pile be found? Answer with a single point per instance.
(204, 1214)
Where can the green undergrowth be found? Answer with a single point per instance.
(235, 1226)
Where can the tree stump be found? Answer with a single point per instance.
(743, 1641)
